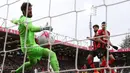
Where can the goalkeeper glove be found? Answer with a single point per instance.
(47, 28)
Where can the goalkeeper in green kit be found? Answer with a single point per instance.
(34, 51)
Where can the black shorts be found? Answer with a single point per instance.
(99, 52)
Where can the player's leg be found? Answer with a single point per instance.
(53, 58)
(27, 65)
(90, 61)
(100, 55)
(103, 64)
(112, 59)
(104, 61)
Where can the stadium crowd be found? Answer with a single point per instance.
(12, 63)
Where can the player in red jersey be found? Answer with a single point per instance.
(99, 48)
(97, 51)
(106, 39)
(93, 53)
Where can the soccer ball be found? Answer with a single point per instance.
(45, 37)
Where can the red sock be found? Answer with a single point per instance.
(92, 65)
(103, 64)
(90, 62)
(112, 71)
(102, 70)
(111, 61)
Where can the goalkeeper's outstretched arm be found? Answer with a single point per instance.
(37, 29)
(31, 27)
(15, 22)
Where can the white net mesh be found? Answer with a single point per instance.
(67, 17)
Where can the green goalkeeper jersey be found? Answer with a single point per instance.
(26, 23)
(35, 52)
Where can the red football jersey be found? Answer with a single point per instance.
(105, 39)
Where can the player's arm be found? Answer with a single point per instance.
(37, 29)
(15, 22)
(96, 39)
(99, 40)
(107, 36)
(28, 24)
(99, 34)
(89, 38)
(32, 28)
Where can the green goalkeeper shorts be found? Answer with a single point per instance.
(36, 52)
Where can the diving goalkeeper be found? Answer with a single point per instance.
(34, 51)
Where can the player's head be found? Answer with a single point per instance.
(95, 27)
(28, 11)
(104, 25)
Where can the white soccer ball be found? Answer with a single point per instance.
(45, 37)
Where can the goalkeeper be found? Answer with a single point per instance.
(34, 51)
